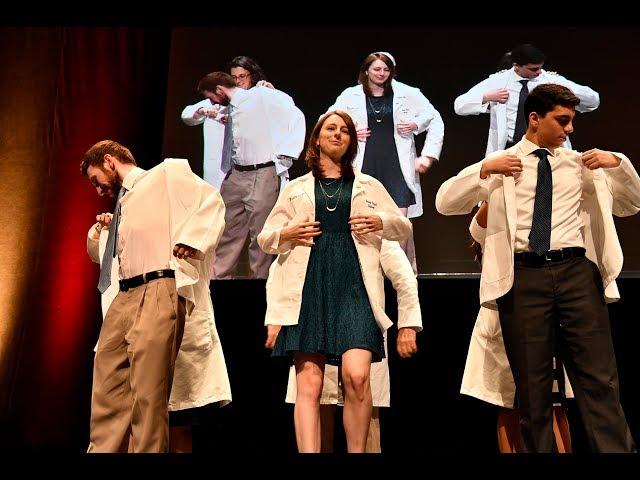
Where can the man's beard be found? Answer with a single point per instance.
(113, 183)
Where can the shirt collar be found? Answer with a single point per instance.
(527, 147)
(132, 177)
(517, 77)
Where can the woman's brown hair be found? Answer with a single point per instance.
(312, 155)
(363, 78)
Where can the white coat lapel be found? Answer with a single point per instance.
(509, 186)
(401, 111)
(357, 195)
(303, 199)
(501, 114)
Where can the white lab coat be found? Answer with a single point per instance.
(197, 212)
(487, 373)
(282, 125)
(397, 268)
(213, 133)
(287, 273)
(470, 103)
(616, 191)
(409, 105)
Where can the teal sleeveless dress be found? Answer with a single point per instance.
(335, 313)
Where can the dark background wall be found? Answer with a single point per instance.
(314, 65)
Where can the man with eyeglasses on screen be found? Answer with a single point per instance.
(247, 74)
(264, 133)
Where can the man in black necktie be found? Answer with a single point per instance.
(503, 93)
(550, 261)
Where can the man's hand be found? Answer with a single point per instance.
(207, 112)
(596, 158)
(300, 234)
(507, 164)
(272, 334)
(103, 221)
(406, 342)
(501, 95)
(363, 224)
(423, 164)
(184, 251)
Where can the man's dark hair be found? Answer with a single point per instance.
(209, 82)
(95, 155)
(545, 97)
(527, 53)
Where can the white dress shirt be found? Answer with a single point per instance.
(567, 227)
(514, 86)
(144, 232)
(213, 134)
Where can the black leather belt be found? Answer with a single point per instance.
(552, 256)
(247, 168)
(138, 280)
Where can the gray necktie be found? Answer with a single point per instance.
(227, 146)
(521, 122)
(110, 249)
(540, 235)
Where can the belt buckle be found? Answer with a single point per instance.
(144, 278)
(554, 255)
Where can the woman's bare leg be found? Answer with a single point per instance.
(356, 369)
(306, 412)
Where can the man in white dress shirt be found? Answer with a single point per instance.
(264, 133)
(166, 223)
(247, 74)
(502, 95)
(551, 257)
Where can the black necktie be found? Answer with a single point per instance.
(521, 122)
(110, 250)
(540, 235)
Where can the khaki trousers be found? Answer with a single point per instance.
(133, 369)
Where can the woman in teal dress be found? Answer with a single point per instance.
(325, 296)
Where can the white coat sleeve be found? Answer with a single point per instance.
(589, 98)
(624, 185)
(430, 120)
(470, 103)
(460, 194)
(197, 209)
(397, 269)
(279, 218)
(188, 112)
